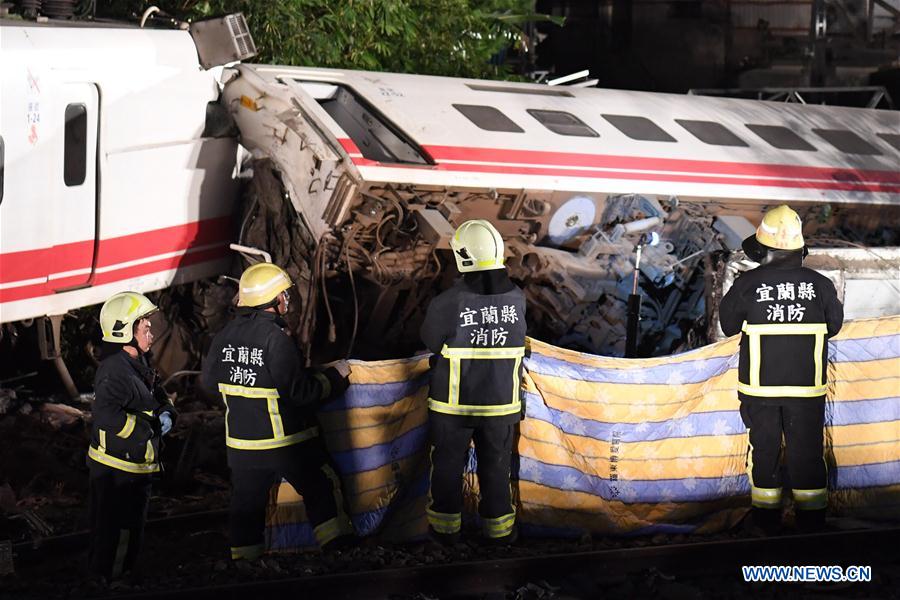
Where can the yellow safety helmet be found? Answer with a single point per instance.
(477, 246)
(261, 283)
(780, 229)
(119, 314)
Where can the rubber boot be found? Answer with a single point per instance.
(506, 540)
(765, 522)
(444, 539)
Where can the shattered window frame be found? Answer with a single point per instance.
(562, 123)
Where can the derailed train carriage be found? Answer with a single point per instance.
(360, 179)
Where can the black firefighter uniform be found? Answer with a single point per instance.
(476, 330)
(785, 313)
(270, 427)
(124, 453)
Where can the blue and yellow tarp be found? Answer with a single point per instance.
(610, 445)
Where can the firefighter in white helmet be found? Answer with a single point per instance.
(131, 413)
(476, 330)
(271, 431)
(785, 313)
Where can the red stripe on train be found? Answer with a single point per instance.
(31, 264)
(539, 158)
(705, 179)
(165, 264)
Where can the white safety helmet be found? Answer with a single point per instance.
(477, 246)
(119, 314)
(780, 229)
(261, 284)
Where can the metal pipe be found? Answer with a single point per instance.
(252, 251)
(634, 309)
(66, 378)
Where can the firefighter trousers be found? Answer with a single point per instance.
(118, 510)
(449, 453)
(800, 423)
(311, 474)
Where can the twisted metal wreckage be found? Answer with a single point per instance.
(359, 180)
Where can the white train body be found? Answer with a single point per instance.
(108, 183)
(595, 156)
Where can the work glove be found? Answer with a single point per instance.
(165, 423)
(338, 374)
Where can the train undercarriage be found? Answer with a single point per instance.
(365, 283)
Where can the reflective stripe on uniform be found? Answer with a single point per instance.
(126, 430)
(784, 328)
(754, 333)
(246, 552)
(345, 526)
(778, 391)
(327, 531)
(102, 457)
(765, 497)
(474, 410)
(444, 522)
(247, 392)
(271, 396)
(455, 355)
(500, 526)
(103, 440)
(483, 353)
(269, 443)
(121, 552)
(811, 499)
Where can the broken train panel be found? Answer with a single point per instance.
(378, 169)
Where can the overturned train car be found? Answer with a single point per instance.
(360, 179)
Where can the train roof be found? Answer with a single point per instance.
(507, 134)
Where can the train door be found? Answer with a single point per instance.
(77, 201)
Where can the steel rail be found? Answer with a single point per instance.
(861, 547)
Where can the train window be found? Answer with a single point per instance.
(639, 128)
(781, 137)
(488, 118)
(517, 90)
(711, 133)
(846, 141)
(562, 123)
(891, 138)
(75, 145)
(2, 162)
(376, 137)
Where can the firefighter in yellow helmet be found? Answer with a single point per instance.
(476, 330)
(131, 413)
(270, 430)
(785, 313)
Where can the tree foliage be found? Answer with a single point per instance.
(465, 38)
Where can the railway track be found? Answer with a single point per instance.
(467, 579)
(40, 548)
